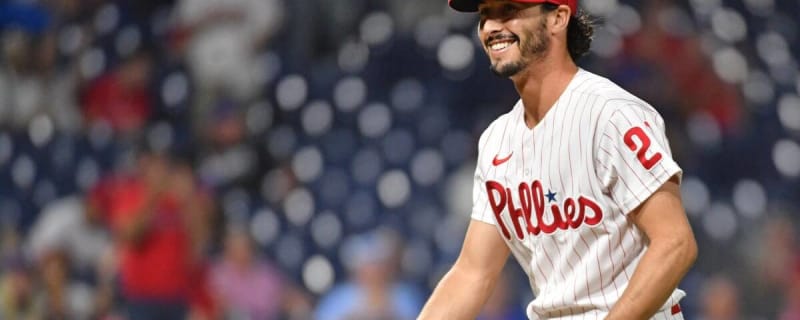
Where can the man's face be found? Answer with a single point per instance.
(513, 34)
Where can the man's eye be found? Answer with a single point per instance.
(508, 10)
(505, 11)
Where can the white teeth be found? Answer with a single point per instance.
(500, 45)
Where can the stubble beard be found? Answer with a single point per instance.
(531, 49)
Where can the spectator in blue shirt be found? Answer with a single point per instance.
(372, 290)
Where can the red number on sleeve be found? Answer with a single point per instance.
(637, 132)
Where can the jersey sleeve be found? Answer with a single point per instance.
(632, 155)
(480, 201)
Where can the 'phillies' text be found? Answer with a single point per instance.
(531, 199)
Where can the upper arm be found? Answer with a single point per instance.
(632, 154)
(661, 216)
(484, 252)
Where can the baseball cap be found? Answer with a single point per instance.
(472, 5)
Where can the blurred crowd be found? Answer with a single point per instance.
(303, 159)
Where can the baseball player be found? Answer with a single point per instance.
(577, 182)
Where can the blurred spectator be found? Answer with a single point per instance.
(59, 83)
(153, 217)
(501, 304)
(121, 97)
(106, 304)
(720, 299)
(224, 159)
(792, 309)
(776, 251)
(198, 204)
(223, 40)
(31, 84)
(224, 37)
(371, 292)
(21, 87)
(10, 252)
(247, 286)
(29, 16)
(61, 297)
(198, 216)
(72, 225)
(677, 73)
(16, 292)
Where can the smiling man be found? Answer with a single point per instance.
(577, 181)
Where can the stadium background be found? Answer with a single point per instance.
(342, 133)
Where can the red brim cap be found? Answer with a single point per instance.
(472, 5)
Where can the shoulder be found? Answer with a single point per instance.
(337, 302)
(608, 101)
(340, 296)
(496, 129)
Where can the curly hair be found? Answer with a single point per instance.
(579, 32)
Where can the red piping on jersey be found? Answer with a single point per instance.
(676, 309)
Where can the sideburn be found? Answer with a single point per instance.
(535, 46)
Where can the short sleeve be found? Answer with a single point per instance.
(480, 199)
(632, 155)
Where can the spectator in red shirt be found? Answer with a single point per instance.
(121, 96)
(153, 214)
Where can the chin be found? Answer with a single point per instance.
(507, 69)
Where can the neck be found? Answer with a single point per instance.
(541, 83)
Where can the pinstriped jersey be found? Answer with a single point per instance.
(560, 193)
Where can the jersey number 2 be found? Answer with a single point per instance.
(648, 163)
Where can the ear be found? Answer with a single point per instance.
(559, 19)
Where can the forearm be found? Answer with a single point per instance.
(459, 295)
(137, 226)
(659, 271)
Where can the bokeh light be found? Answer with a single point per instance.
(353, 56)
(349, 93)
(326, 229)
(318, 275)
(317, 118)
(427, 167)
(307, 164)
(750, 198)
(720, 222)
(265, 227)
(374, 120)
(728, 25)
(394, 188)
(789, 112)
(291, 92)
(695, 196)
(786, 156)
(455, 52)
(299, 206)
(376, 28)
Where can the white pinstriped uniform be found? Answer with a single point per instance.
(560, 193)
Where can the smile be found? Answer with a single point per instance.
(500, 45)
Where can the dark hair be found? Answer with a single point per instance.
(579, 32)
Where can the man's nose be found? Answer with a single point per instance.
(491, 25)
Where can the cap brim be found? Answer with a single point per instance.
(472, 5)
(464, 5)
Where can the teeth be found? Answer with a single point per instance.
(500, 45)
